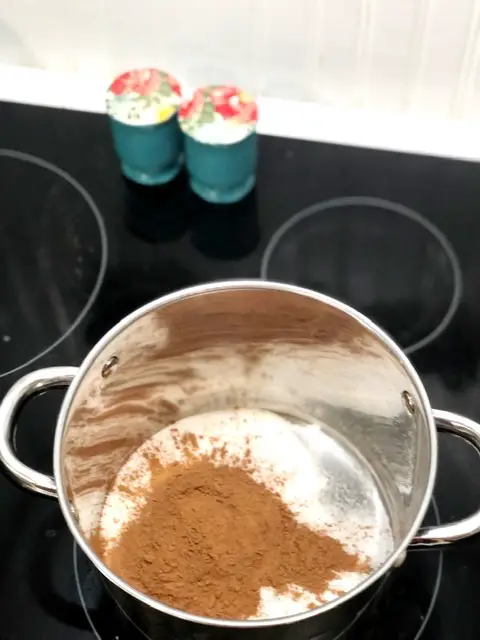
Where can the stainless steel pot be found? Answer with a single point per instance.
(252, 344)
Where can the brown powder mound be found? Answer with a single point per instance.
(210, 537)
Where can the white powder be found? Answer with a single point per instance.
(316, 494)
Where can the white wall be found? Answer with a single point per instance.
(415, 56)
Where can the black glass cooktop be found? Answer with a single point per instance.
(395, 235)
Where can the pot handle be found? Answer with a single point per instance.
(31, 384)
(447, 533)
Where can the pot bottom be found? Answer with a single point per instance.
(398, 607)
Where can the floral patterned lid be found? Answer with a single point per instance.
(219, 115)
(143, 97)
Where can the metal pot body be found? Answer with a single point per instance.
(331, 625)
(251, 344)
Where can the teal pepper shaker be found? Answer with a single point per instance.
(219, 126)
(142, 106)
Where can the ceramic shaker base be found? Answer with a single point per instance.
(152, 179)
(222, 196)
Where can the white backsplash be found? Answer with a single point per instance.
(421, 57)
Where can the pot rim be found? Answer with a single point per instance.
(176, 296)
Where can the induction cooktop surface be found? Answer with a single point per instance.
(394, 235)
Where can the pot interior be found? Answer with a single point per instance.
(258, 346)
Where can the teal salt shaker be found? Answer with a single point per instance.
(219, 125)
(142, 106)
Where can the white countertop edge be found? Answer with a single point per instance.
(288, 118)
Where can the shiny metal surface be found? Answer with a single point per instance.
(448, 533)
(31, 384)
(258, 345)
(332, 625)
(252, 344)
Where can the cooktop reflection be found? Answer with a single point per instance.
(394, 235)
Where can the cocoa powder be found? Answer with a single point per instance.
(210, 537)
